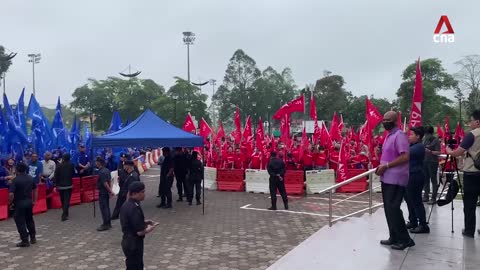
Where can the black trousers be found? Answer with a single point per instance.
(392, 200)
(104, 203)
(181, 185)
(194, 184)
(431, 169)
(166, 190)
(413, 197)
(121, 198)
(471, 191)
(65, 196)
(275, 184)
(24, 220)
(133, 249)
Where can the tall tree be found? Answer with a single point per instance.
(331, 96)
(435, 79)
(355, 115)
(5, 62)
(469, 81)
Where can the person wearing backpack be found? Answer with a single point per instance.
(470, 147)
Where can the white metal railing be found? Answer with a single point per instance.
(370, 207)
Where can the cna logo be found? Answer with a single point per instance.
(447, 36)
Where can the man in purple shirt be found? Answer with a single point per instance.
(393, 171)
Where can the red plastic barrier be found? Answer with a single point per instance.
(41, 204)
(230, 180)
(294, 182)
(357, 186)
(89, 189)
(3, 203)
(76, 198)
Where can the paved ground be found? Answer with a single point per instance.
(235, 233)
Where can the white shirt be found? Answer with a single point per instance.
(48, 168)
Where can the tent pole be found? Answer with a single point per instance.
(93, 187)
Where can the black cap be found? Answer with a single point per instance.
(129, 163)
(100, 160)
(136, 187)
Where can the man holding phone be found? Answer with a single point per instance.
(134, 226)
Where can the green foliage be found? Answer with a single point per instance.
(355, 115)
(435, 79)
(256, 93)
(469, 81)
(67, 115)
(181, 99)
(330, 96)
(4, 63)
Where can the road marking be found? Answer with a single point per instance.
(325, 199)
(247, 207)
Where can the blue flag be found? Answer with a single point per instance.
(15, 131)
(3, 133)
(20, 112)
(58, 127)
(87, 138)
(74, 137)
(40, 127)
(115, 124)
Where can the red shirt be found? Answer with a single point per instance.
(229, 160)
(255, 161)
(375, 162)
(334, 156)
(307, 159)
(239, 159)
(321, 159)
(290, 164)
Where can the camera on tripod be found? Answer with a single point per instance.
(452, 143)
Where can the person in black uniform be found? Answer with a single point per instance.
(134, 226)
(104, 185)
(276, 170)
(132, 176)
(63, 181)
(122, 175)
(195, 178)
(21, 195)
(166, 179)
(180, 170)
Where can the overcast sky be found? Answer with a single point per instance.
(368, 42)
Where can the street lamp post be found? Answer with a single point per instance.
(34, 59)
(269, 107)
(188, 39)
(213, 82)
(175, 110)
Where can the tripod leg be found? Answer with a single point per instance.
(452, 217)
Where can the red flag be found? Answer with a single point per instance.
(440, 131)
(296, 105)
(459, 133)
(313, 107)
(335, 134)
(341, 125)
(416, 111)
(259, 137)
(373, 116)
(325, 136)
(285, 128)
(304, 143)
(205, 129)
(317, 133)
(274, 147)
(238, 127)
(399, 121)
(446, 127)
(342, 170)
(188, 125)
(247, 132)
(220, 134)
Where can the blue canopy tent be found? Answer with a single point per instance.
(148, 130)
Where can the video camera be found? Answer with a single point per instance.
(452, 143)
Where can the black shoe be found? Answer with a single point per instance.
(272, 208)
(425, 199)
(103, 228)
(114, 218)
(161, 205)
(432, 202)
(386, 242)
(410, 226)
(167, 207)
(478, 231)
(180, 200)
(478, 203)
(33, 241)
(199, 203)
(189, 203)
(470, 235)
(286, 206)
(420, 229)
(23, 244)
(402, 246)
(64, 218)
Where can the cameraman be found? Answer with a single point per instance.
(471, 174)
(432, 150)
